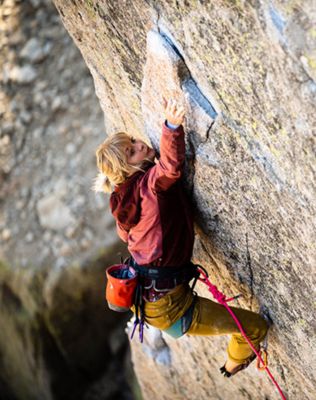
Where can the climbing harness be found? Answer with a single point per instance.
(162, 279)
(221, 298)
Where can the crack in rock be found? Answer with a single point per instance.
(189, 84)
(251, 276)
(191, 87)
(166, 72)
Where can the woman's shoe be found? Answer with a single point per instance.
(239, 367)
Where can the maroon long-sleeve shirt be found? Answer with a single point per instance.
(151, 209)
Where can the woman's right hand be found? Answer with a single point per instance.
(173, 112)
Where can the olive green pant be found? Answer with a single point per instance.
(209, 318)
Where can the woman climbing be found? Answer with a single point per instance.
(153, 215)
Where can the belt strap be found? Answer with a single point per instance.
(169, 272)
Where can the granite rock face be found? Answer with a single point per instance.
(246, 72)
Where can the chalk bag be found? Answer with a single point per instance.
(120, 287)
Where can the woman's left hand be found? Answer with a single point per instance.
(174, 113)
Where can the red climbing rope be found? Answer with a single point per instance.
(221, 298)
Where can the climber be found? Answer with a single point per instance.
(153, 215)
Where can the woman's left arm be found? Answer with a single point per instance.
(172, 149)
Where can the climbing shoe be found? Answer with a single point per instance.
(238, 368)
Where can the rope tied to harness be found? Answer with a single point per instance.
(221, 298)
(217, 294)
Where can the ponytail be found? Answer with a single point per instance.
(101, 183)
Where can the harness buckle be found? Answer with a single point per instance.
(150, 286)
(154, 281)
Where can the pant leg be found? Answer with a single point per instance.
(211, 318)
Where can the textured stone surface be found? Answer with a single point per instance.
(49, 131)
(58, 339)
(251, 173)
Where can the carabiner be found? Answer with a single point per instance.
(264, 355)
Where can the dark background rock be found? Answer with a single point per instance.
(58, 339)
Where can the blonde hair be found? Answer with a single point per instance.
(112, 163)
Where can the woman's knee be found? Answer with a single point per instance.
(259, 329)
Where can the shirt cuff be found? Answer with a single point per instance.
(171, 126)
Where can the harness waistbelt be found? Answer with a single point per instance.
(164, 278)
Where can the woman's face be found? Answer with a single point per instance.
(138, 151)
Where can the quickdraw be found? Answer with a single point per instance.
(264, 356)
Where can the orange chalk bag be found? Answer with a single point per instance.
(120, 287)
